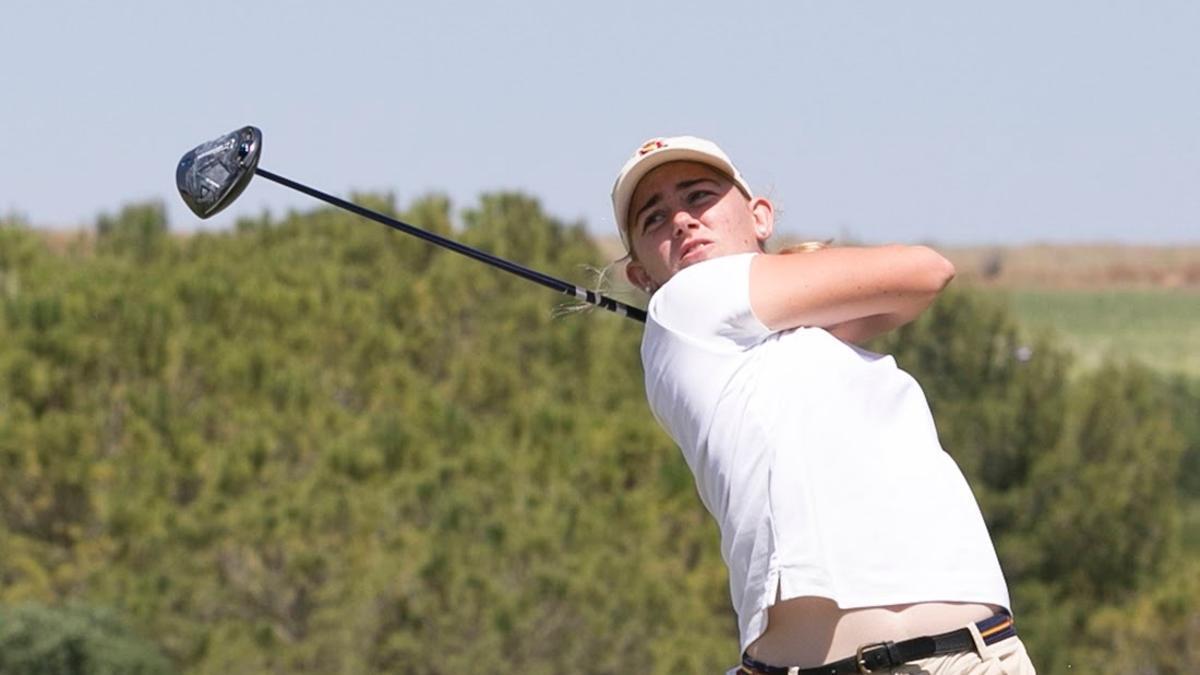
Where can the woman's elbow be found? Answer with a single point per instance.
(938, 271)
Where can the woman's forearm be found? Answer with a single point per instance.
(835, 286)
(858, 331)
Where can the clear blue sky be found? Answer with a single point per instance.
(952, 122)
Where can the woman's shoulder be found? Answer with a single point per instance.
(710, 299)
(715, 271)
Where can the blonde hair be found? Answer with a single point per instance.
(805, 247)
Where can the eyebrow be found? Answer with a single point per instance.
(681, 185)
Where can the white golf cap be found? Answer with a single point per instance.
(658, 151)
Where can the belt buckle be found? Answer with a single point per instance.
(861, 663)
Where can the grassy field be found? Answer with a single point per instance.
(1158, 326)
(1139, 302)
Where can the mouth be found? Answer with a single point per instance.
(694, 251)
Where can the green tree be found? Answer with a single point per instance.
(76, 640)
(139, 230)
(312, 444)
(1077, 480)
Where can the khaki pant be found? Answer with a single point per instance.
(1006, 657)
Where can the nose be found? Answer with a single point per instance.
(683, 221)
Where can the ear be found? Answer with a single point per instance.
(636, 274)
(764, 217)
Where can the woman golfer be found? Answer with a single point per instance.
(853, 543)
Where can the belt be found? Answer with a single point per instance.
(882, 656)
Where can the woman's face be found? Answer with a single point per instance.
(684, 212)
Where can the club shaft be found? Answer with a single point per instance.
(546, 280)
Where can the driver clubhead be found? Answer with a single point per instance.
(213, 174)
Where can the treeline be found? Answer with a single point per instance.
(313, 445)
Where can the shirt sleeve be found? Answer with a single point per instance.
(709, 302)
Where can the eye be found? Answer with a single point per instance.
(653, 219)
(699, 196)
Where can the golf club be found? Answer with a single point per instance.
(212, 175)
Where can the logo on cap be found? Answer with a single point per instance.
(651, 146)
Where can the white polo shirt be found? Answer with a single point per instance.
(819, 460)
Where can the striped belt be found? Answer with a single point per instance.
(881, 656)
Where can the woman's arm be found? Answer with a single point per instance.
(860, 292)
(858, 331)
